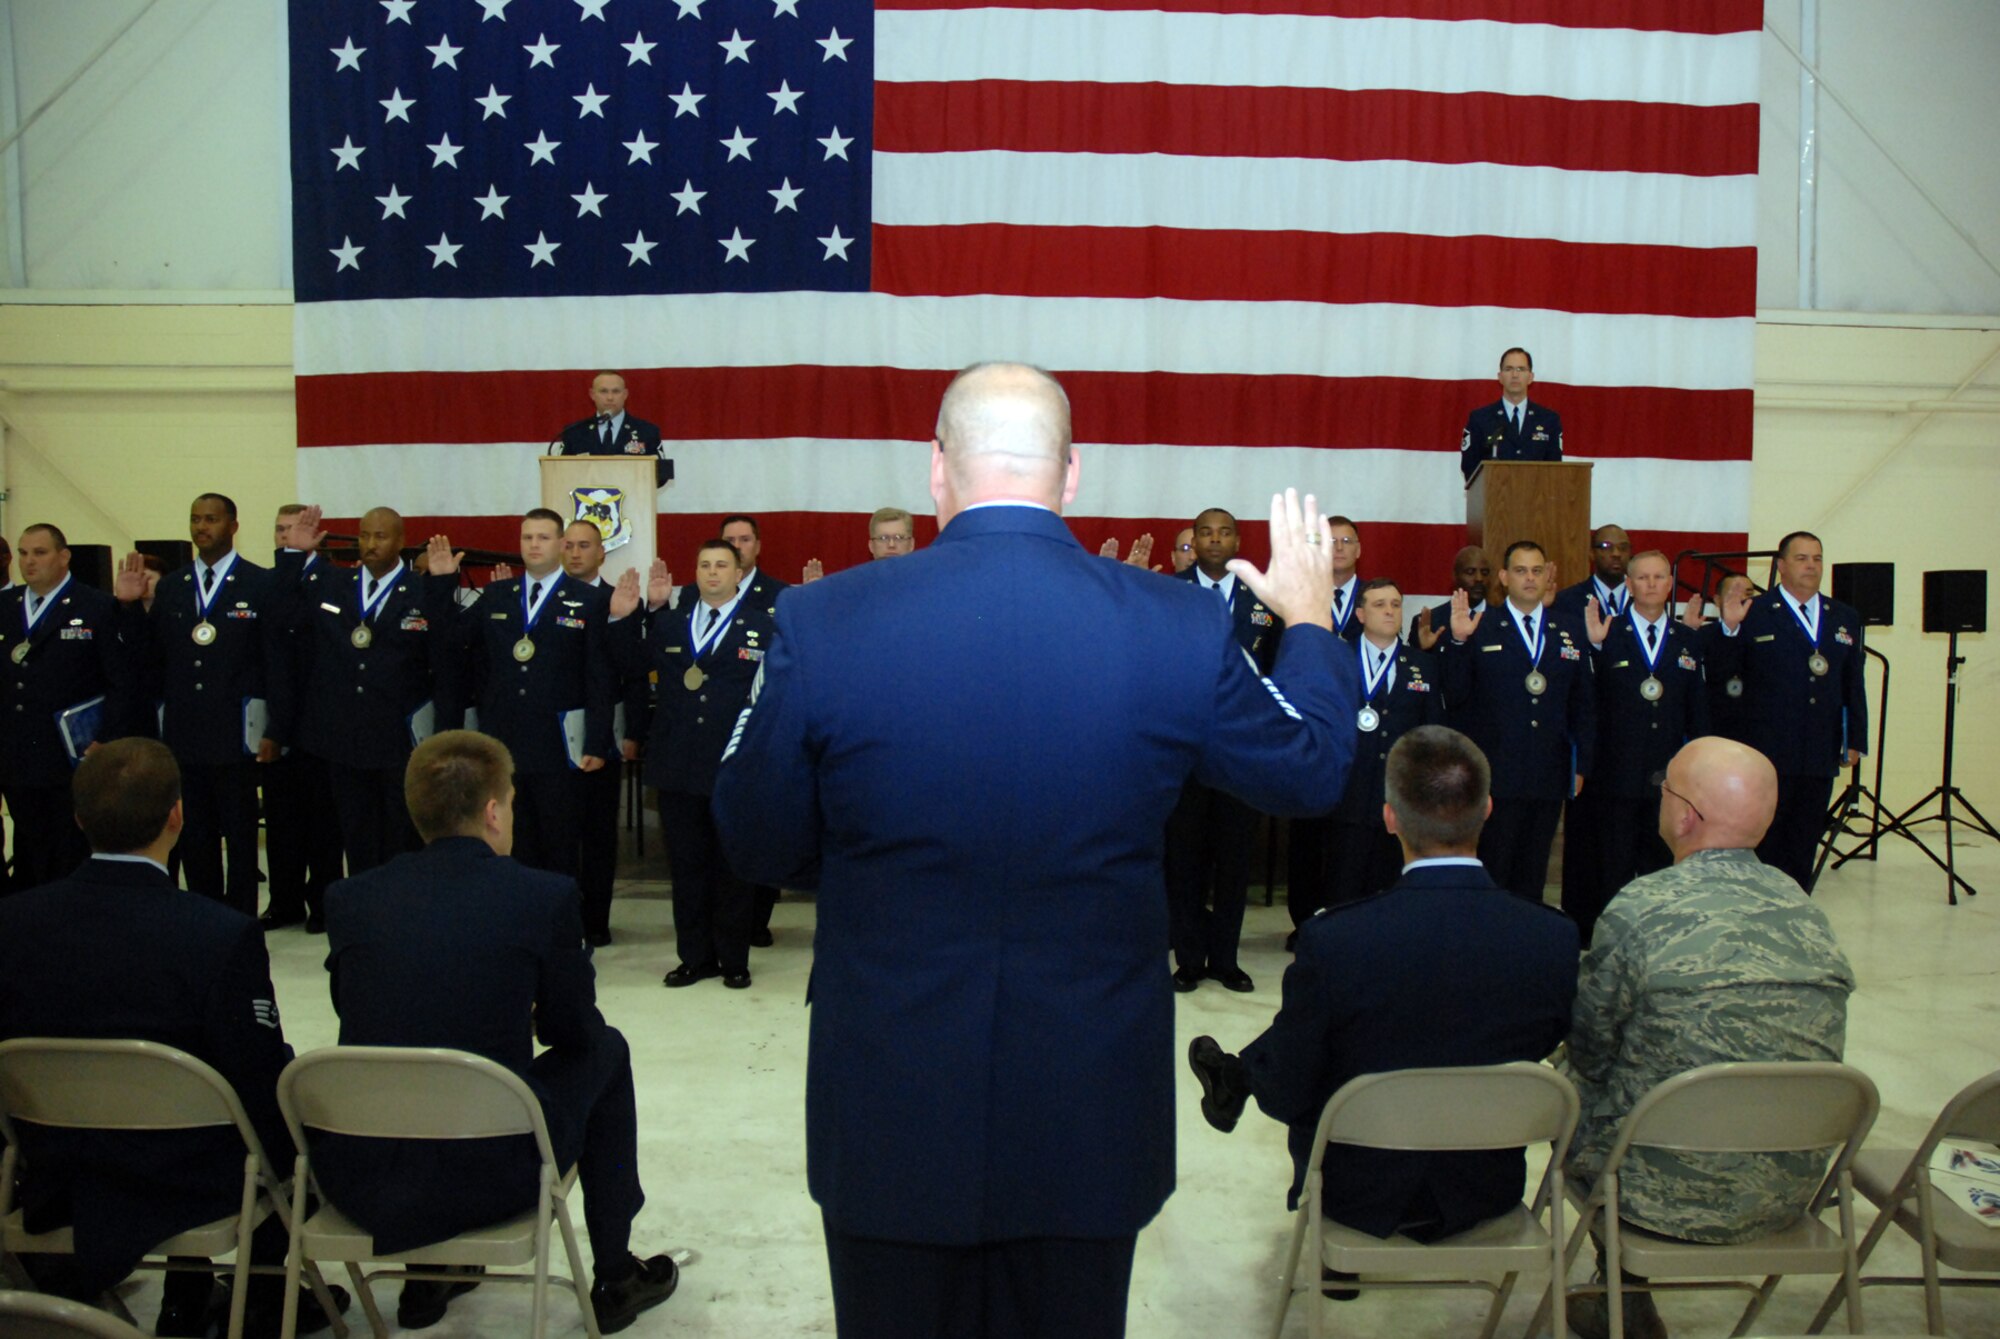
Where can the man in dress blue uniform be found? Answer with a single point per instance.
(1514, 427)
(1517, 680)
(612, 432)
(1805, 705)
(1310, 842)
(60, 640)
(1610, 555)
(1725, 691)
(302, 850)
(1211, 833)
(542, 674)
(1651, 699)
(1370, 992)
(115, 950)
(989, 1089)
(706, 654)
(459, 946)
(367, 650)
(216, 654)
(1471, 572)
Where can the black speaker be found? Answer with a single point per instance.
(1954, 602)
(1870, 588)
(92, 565)
(174, 554)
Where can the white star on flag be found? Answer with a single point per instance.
(835, 45)
(495, 102)
(543, 52)
(641, 149)
(785, 100)
(492, 205)
(835, 244)
(542, 149)
(445, 152)
(588, 202)
(787, 196)
(349, 154)
(686, 102)
(639, 49)
(399, 10)
(688, 197)
(393, 202)
(444, 251)
(347, 58)
(641, 249)
(688, 7)
(738, 145)
(397, 106)
(348, 254)
(836, 144)
(738, 46)
(737, 246)
(786, 7)
(495, 9)
(542, 249)
(592, 102)
(592, 9)
(444, 53)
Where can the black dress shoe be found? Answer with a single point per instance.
(688, 973)
(1186, 978)
(736, 980)
(597, 938)
(190, 1317)
(281, 920)
(1223, 1088)
(760, 937)
(315, 923)
(264, 1317)
(424, 1300)
(619, 1303)
(1234, 978)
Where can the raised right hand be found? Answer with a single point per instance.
(1428, 634)
(659, 584)
(439, 557)
(1298, 586)
(130, 583)
(1463, 620)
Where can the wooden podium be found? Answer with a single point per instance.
(616, 491)
(1547, 501)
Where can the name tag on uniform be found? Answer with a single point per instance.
(1767, 637)
(500, 614)
(673, 650)
(331, 608)
(1621, 664)
(1493, 648)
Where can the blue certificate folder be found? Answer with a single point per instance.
(78, 726)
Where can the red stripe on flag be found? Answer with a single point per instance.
(1351, 268)
(899, 404)
(1418, 556)
(1349, 125)
(1683, 16)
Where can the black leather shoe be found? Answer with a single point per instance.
(736, 980)
(761, 937)
(424, 1300)
(618, 1304)
(597, 938)
(315, 923)
(1186, 978)
(265, 1316)
(281, 920)
(1223, 1092)
(1234, 978)
(688, 973)
(190, 1318)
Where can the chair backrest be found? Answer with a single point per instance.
(87, 1083)
(1481, 1107)
(1741, 1107)
(34, 1316)
(1973, 1114)
(408, 1092)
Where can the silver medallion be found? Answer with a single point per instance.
(1538, 682)
(524, 650)
(1734, 688)
(1652, 689)
(20, 653)
(361, 637)
(1368, 719)
(1818, 664)
(204, 633)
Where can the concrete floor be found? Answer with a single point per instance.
(721, 1084)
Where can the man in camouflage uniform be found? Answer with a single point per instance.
(1718, 958)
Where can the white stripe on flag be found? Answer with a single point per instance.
(1302, 51)
(1096, 334)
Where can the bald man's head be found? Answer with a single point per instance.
(379, 538)
(1719, 795)
(1003, 431)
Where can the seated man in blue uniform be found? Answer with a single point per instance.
(1367, 994)
(989, 1083)
(116, 950)
(1513, 427)
(457, 945)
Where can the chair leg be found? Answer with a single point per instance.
(1499, 1305)
(1876, 1231)
(324, 1296)
(1927, 1242)
(1291, 1271)
(576, 1274)
(367, 1296)
(540, 1323)
(1614, 1267)
(1756, 1307)
(239, 1289)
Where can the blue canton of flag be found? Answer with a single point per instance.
(545, 148)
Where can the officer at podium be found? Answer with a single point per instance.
(612, 432)
(1513, 428)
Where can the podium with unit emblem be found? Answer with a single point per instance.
(1545, 501)
(616, 492)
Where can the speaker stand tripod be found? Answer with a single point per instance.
(1944, 795)
(1857, 810)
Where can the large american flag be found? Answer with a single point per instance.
(1265, 243)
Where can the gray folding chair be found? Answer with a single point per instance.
(396, 1092)
(33, 1316)
(1898, 1183)
(137, 1086)
(1439, 1110)
(1737, 1108)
